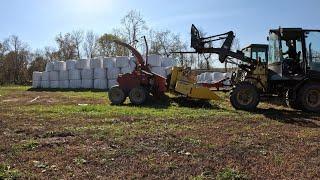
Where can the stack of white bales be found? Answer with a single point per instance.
(98, 73)
(161, 65)
(212, 78)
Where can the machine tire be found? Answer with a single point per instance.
(138, 95)
(245, 96)
(116, 95)
(309, 96)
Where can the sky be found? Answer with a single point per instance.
(37, 22)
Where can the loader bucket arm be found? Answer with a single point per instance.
(203, 45)
(135, 53)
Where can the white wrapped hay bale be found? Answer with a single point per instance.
(109, 63)
(112, 82)
(50, 66)
(159, 71)
(126, 70)
(154, 60)
(168, 62)
(36, 76)
(36, 84)
(45, 76)
(100, 73)
(217, 77)
(54, 76)
(63, 75)
(87, 74)
(113, 73)
(71, 64)
(64, 84)
(74, 74)
(75, 84)
(96, 63)
(132, 62)
(54, 84)
(100, 84)
(83, 64)
(87, 83)
(60, 66)
(122, 62)
(45, 84)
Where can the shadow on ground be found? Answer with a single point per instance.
(295, 117)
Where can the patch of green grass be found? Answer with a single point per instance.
(26, 145)
(230, 174)
(6, 172)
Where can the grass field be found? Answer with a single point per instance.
(79, 135)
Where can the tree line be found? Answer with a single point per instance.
(17, 61)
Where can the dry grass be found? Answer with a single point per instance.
(54, 137)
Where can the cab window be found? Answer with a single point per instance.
(274, 49)
(313, 49)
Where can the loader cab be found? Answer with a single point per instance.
(258, 52)
(293, 52)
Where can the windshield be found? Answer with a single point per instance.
(274, 48)
(313, 49)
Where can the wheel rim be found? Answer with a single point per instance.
(313, 98)
(244, 97)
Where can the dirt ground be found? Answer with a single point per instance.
(79, 135)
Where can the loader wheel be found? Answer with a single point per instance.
(116, 95)
(245, 96)
(138, 95)
(310, 97)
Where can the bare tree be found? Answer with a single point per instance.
(90, 44)
(67, 48)
(134, 25)
(77, 37)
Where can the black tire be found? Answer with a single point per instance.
(117, 95)
(245, 96)
(309, 96)
(138, 95)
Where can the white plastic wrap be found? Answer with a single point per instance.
(74, 74)
(113, 73)
(100, 84)
(83, 64)
(64, 84)
(154, 60)
(217, 77)
(126, 70)
(96, 63)
(45, 76)
(63, 75)
(45, 84)
(168, 62)
(122, 62)
(87, 74)
(109, 63)
(100, 73)
(160, 71)
(112, 82)
(36, 76)
(54, 84)
(36, 84)
(132, 62)
(60, 66)
(71, 64)
(75, 84)
(53, 76)
(50, 66)
(87, 83)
